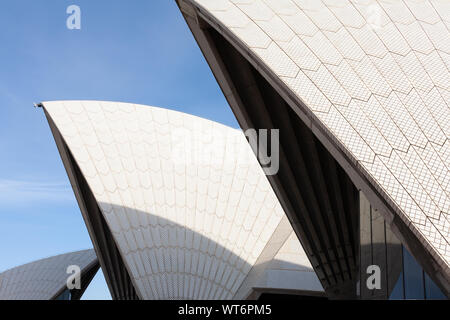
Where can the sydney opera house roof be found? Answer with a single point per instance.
(177, 206)
(46, 279)
(367, 83)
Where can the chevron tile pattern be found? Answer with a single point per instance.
(42, 279)
(186, 200)
(375, 75)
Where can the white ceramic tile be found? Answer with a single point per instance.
(323, 48)
(283, 7)
(350, 81)
(424, 119)
(330, 87)
(301, 24)
(392, 73)
(398, 11)
(42, 279)
(347, 14)
(324, 19)
(347, 135)
(345, 44)
(252, 36)
(276, 29)
(404, 121)
(256, 10)
(371, 77)
(369, 41)
(436, 69)
(442, 8)
(438, 33)
(308, 92)
(393, 39)
(156, 204)
(273, 56)
(362, 124)
(423, 11)
(414, 71)
(390, 92)
(435, 103)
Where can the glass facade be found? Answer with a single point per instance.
(65, 295)
(413, 277)
(432, 291)
(401, 277)
(413, 282)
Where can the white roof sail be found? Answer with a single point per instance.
(373, 75)
(43, 279)
(188, 204)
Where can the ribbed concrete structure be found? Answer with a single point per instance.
(366, 80)
(288, 272)
(46, 279)
(177, 206)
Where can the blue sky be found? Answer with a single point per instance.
(137, 51)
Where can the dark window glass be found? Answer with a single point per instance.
(65, 295)
(413, 277)
(432, 291)
(397, 292)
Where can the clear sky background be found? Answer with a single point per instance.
(138, 51)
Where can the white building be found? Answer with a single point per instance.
(46, 279)
(177, 206)
(360, 89)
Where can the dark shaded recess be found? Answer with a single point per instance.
(115, 269)
(315, 192)
(86, 277)
(400, 278)
(116, 275)
(255, 95)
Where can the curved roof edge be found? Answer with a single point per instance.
(115, 215)
(46, 279)
(201, 16)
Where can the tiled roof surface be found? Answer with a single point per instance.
(186, 200)
(42, 279)
(375, 75)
